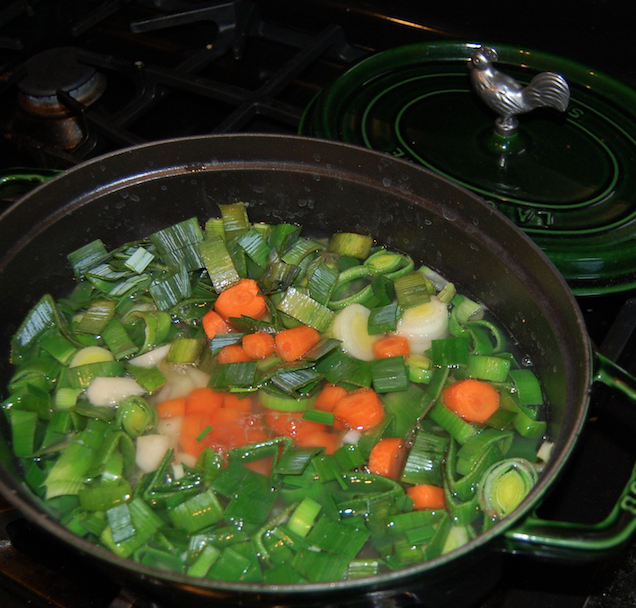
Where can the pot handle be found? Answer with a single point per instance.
(579, 542)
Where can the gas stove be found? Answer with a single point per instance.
(81, 78)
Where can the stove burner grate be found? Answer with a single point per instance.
(104, 101)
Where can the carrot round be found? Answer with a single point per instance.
(360, 409)
(241, 299)
(203, 399)
(291, 424)
(387, 457)
(391, 346)
(292, 344)
(192, 427)
(232, 353)
(259, 345)
(329, 397)
(214, 323)
(473, 400)
(228, 429)
(320, 439)
(255, 433)
(426, 496)
(262, 466)
(171, 408)
(243, 404)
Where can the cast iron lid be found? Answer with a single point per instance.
(568, 179)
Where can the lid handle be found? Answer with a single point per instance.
(508, 97)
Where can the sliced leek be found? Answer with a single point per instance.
(505, 485)
(424, 323)
(350, 326)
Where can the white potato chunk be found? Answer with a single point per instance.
(152, 357)
(351, 437)
(187, 459)
(179, 383)
(170, 426)
(110, 391)
(150, 451)
(199, 378)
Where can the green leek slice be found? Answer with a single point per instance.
(305, 309)
(351, 244)
(284, 403)
(87, 257)
(219, 264)
(505, 485)
(412, 289)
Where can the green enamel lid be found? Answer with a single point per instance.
(568, 179)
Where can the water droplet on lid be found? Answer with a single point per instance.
(450, 214)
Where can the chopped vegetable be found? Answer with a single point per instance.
(233, 353)
(360, 410)
(110, 391)
(350, 326)
(172, 408)
(329, 397)
(472, 400)
(391, 346)
(424, 323)
(214, 323)
(242, 299)
(387, 457)
(259, 345)
(505, 485)
(426, 496)
(202, 399)
(291, 344)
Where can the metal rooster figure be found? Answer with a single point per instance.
(507, 97)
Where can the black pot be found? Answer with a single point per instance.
(326, 186)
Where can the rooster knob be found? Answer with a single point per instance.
(507, 97)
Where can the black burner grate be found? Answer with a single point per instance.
(218, 84)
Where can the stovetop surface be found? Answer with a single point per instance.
(192, 77)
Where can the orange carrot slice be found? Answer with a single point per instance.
(259, 345)
(320, 439)
(391, 346)
(243, 298)
(329, 396)
(214, 323)
(203, 399)
(360, 409)
(291, 424)
(262, 466)
(242, 404)
(387, 457)
(426, 496)
(473, 400)
(292, 344)
(192, 427)
(232, 353)
(171, 408)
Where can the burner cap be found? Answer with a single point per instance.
(569, 181)
(55, 69)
